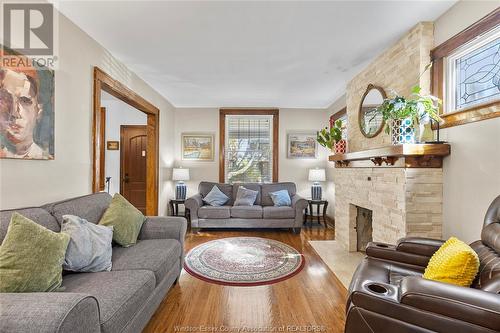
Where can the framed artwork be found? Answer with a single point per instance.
(197, 147)
(302, 145)
(26, 110)
(113, 145)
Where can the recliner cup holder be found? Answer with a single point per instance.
(377, 288)
(382, 245)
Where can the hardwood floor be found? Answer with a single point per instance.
(314, 297)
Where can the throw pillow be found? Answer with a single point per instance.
(89, 249)
(454, 262)
(245, 197)
(281, 198)
(31, 257)
(125, 219)
(216, 197)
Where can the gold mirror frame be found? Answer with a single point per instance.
(382, 124)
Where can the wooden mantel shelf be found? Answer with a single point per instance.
(412, 155)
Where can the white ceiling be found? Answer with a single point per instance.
(261, 53)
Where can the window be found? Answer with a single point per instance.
(342, 115)
(466, 73)
(248, 146)
(473, 73)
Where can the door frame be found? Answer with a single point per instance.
(104, 82)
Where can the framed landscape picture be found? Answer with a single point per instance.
(197, 147)
(302, 145)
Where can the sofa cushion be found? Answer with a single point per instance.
(227, 189)
(37, 215)
(281, 198)
(284, 212)
(246, 212)
(250, 186)
(120, 294)
(209, 212)
(156, 255)
(245, 197)
(267, 188)
(90, 207)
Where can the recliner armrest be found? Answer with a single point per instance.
(391, 253)
(419, 245)
(49, 312)
(467, 304)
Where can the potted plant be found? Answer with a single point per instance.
(408, 119)
(332, 138)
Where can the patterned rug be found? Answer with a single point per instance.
(243, 261)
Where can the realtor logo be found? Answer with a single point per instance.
(28, 28)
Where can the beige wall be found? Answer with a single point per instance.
(206, 120)
(25, 183)
(471, 172)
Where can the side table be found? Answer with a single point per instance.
(310, 211)
(174, 207)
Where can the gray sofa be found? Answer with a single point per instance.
(263, 214)
(122, 300)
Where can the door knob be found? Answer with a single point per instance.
(126, 179)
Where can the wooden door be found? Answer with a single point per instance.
(133, 165)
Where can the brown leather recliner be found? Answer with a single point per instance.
(388, 294)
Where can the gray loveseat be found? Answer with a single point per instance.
(122, 300)
(263, 214)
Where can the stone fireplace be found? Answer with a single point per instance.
(403, 202)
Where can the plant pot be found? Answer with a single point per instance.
(340, 147)
(402, 131)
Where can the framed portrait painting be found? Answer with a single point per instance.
(302, 145)
(197, 147)
(26, 110)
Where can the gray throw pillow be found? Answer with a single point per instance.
(245, 197)
(89, 249)
(215, 197)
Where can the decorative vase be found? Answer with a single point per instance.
(424, 131)
(340, 147)
(402, 131)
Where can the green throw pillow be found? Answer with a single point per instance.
(31, 257)
(125, 219)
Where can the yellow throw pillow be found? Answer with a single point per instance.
(454, 262)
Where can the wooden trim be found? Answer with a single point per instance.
(384, 95)
(102, 152)
(485, 24)
(104, 82)
(438, 54)
(222, 136)
(339, 114)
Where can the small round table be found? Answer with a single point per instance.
(310, 211)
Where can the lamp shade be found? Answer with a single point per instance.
(180, 174)
(317, 175)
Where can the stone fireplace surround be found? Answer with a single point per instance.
(404, 201)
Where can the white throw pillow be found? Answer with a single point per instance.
(89, 249)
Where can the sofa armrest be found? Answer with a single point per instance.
(391, 253)
(49, 312)
(164, 227)
(466, 304)
(193, 203)
(299, 204)
(419, 245)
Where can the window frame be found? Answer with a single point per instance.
(439, 75)
(248, 112)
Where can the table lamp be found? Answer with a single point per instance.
(316, 176)
(180, 175)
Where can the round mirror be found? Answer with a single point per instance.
(370, 120)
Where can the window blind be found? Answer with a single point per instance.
(248, 149)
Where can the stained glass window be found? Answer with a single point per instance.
(474, 73)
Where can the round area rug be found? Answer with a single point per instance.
(243, 261)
